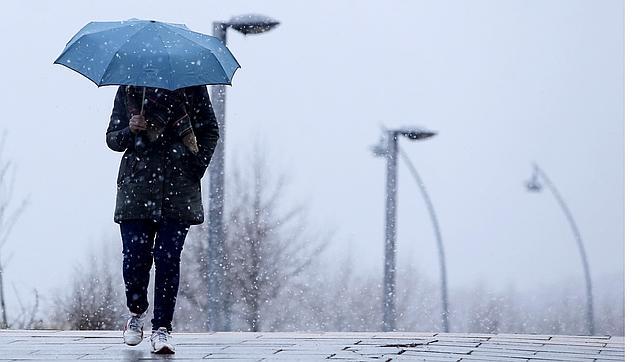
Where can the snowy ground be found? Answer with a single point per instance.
(48, 345)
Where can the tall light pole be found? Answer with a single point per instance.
(389, 149)
(439, 239)
(217, 310)
(535, 185)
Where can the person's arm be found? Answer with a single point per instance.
(205, 127)
(119, 137)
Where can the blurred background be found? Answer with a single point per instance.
(503, 83)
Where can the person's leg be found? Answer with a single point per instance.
(167, 258)
(138, 238)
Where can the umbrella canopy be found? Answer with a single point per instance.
(148, 53)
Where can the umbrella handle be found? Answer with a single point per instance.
(138, 140)
(143, 101)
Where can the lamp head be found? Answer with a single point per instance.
(533, 184)
(252, 23)
(415, 133)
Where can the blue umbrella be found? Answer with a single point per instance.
(148, 53)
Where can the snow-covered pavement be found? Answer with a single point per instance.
(46, 345)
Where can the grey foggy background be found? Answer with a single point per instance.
(504, 83)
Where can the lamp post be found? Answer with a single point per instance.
(217, 311)
(439, 239)
(535, 185)
(389, 149)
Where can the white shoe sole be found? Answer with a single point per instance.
(165, 349)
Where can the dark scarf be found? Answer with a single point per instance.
(162, 108)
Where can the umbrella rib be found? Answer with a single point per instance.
(172, 73)
(184, 30)
(228, 79)
(113, 25)
(119, 49)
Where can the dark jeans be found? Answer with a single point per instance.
(145, 241)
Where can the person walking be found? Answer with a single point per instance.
(167, 139)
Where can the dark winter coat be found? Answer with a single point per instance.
(163, 179)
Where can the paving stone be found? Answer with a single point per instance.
(493, 358)
(503, 353)
(481, 358)
(572, 357)
(441, 358)
(511, 346)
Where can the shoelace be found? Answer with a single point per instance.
(135, 323)
(161, 335)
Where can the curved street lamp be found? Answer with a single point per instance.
(535, 184)
(218, 312)
(388, 148)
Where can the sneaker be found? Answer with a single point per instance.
(160, 340)
(133, 331)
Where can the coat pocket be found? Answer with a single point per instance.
(188, 162)
(126, 169)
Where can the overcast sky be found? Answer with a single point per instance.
(505, 83)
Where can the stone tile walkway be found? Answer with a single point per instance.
(48, 345)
